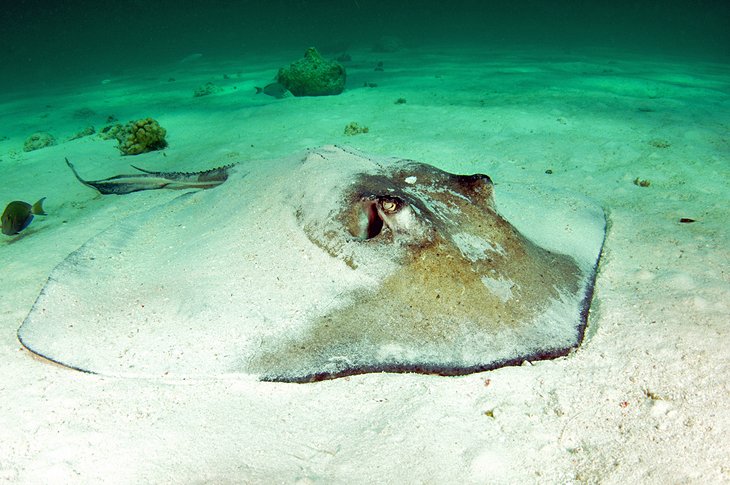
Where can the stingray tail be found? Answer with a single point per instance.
(73, 169)
(37, 208)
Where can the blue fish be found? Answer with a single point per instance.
(19, 214)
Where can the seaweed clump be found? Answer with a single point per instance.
(353, 129)
(141, 136)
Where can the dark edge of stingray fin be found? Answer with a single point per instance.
(49, 359)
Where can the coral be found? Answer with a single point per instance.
(313, 76)
(353, 128)
(110, 132)
(141, 136)
(39, 140)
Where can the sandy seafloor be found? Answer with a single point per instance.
(646, 398)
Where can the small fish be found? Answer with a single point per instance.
(18, 214)
(275, 90)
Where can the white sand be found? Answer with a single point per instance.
(645, 399)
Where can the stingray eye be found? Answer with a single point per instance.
(389, 206)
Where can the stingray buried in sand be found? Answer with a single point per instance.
(331, 264)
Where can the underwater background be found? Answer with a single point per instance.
(46, 41)
(624, 103)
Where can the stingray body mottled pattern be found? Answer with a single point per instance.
(337, 264)
(463, 274)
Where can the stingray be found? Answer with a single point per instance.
(324, 265)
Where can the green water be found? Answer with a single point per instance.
(46, 42)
